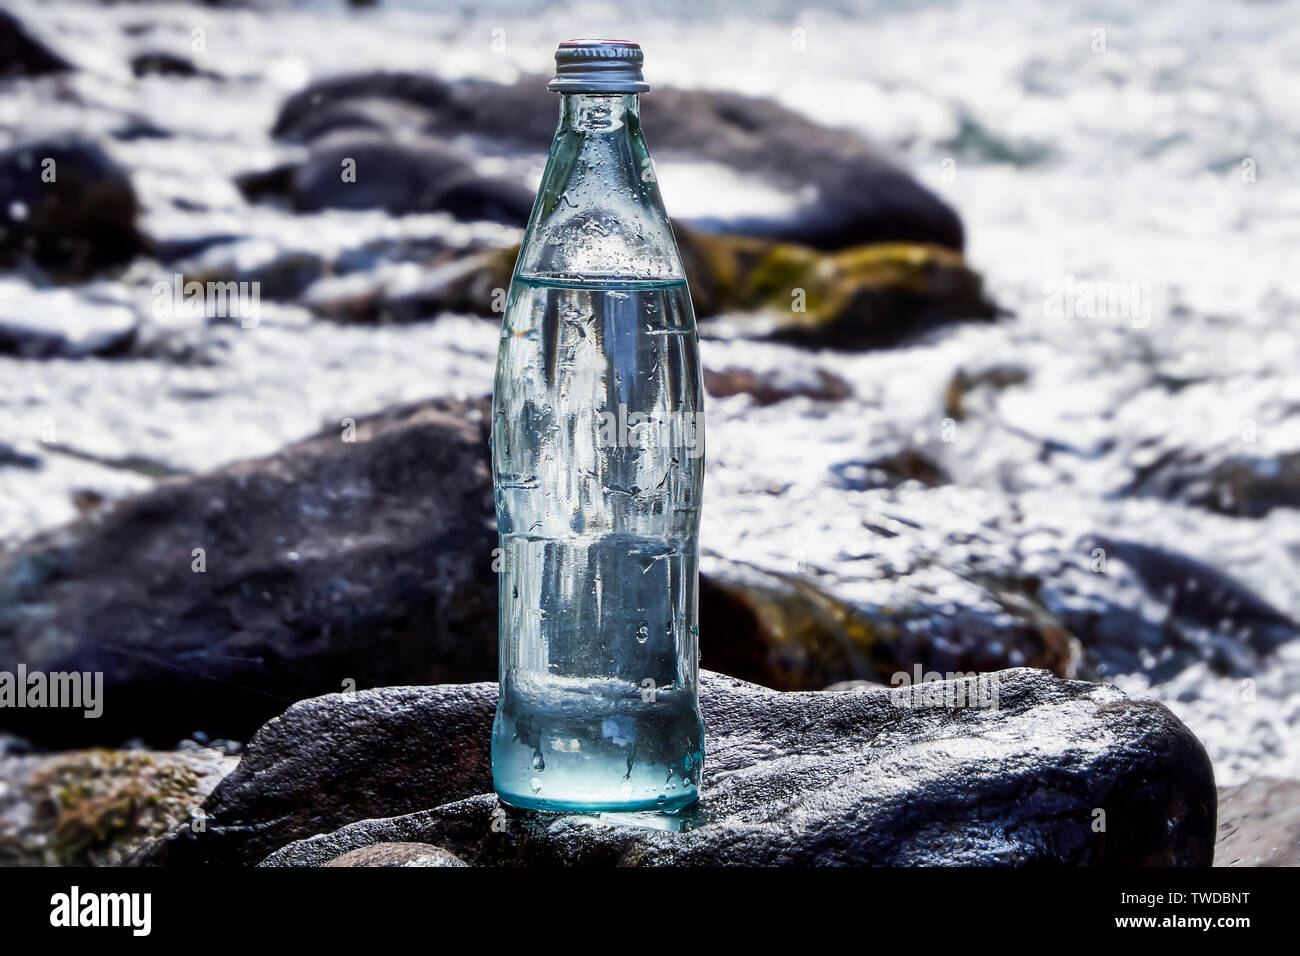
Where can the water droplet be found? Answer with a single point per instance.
(642, 632)
(539, 762)
(535, 784)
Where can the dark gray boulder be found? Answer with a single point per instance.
(1202, 597)
(1060, 772)
(327, 761)
(1247, 486)
(403, 177)
(853, 195)
(164, 63)
(331, 562)
(66, 207)
(22, 53)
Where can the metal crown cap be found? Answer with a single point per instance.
(598, 66)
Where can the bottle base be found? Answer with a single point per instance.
(674, 804)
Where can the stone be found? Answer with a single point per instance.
(98, 807)
(1246, 486)
(873, 296)
(66, 207)
(404, 748)
(781, 630)
(332, 564)
(22, 53)
(398, 854)
(851, 195)
(777, 385)
(164, 63)
(1059, 772)
(412, 175)
(1199, 594)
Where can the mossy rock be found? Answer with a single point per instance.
(95, 807)
(865, 297)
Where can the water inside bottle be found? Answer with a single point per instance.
(597, 451)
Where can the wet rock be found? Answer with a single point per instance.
(280, 273)
(1199, 594)
(164, 63)
(907, 464)
(406, 292)
(324, 107)
(407, 176)
(98, 807)
(877, 777)
(14, 458)
(407, 748)
(66, 207)
(474, 198)
(398, 854)
(851, 195)
(783, 631)
(1259, 824)
(779, 385)
(868, 297)
(59, 323)
(1252, 487)
(22, 53)
(331, 564)
(1247, 486)
(957, 396)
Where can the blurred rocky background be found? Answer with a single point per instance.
(1037, 406)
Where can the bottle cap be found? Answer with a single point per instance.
(598, 66)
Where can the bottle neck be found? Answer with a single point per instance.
(598, 212)
(597, 113)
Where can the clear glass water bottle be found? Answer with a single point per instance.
(597, 457)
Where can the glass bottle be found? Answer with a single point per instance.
(597, 457)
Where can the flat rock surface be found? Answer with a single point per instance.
(397, 854)
(1060, 772)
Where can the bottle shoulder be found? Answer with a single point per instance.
(599, 214)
